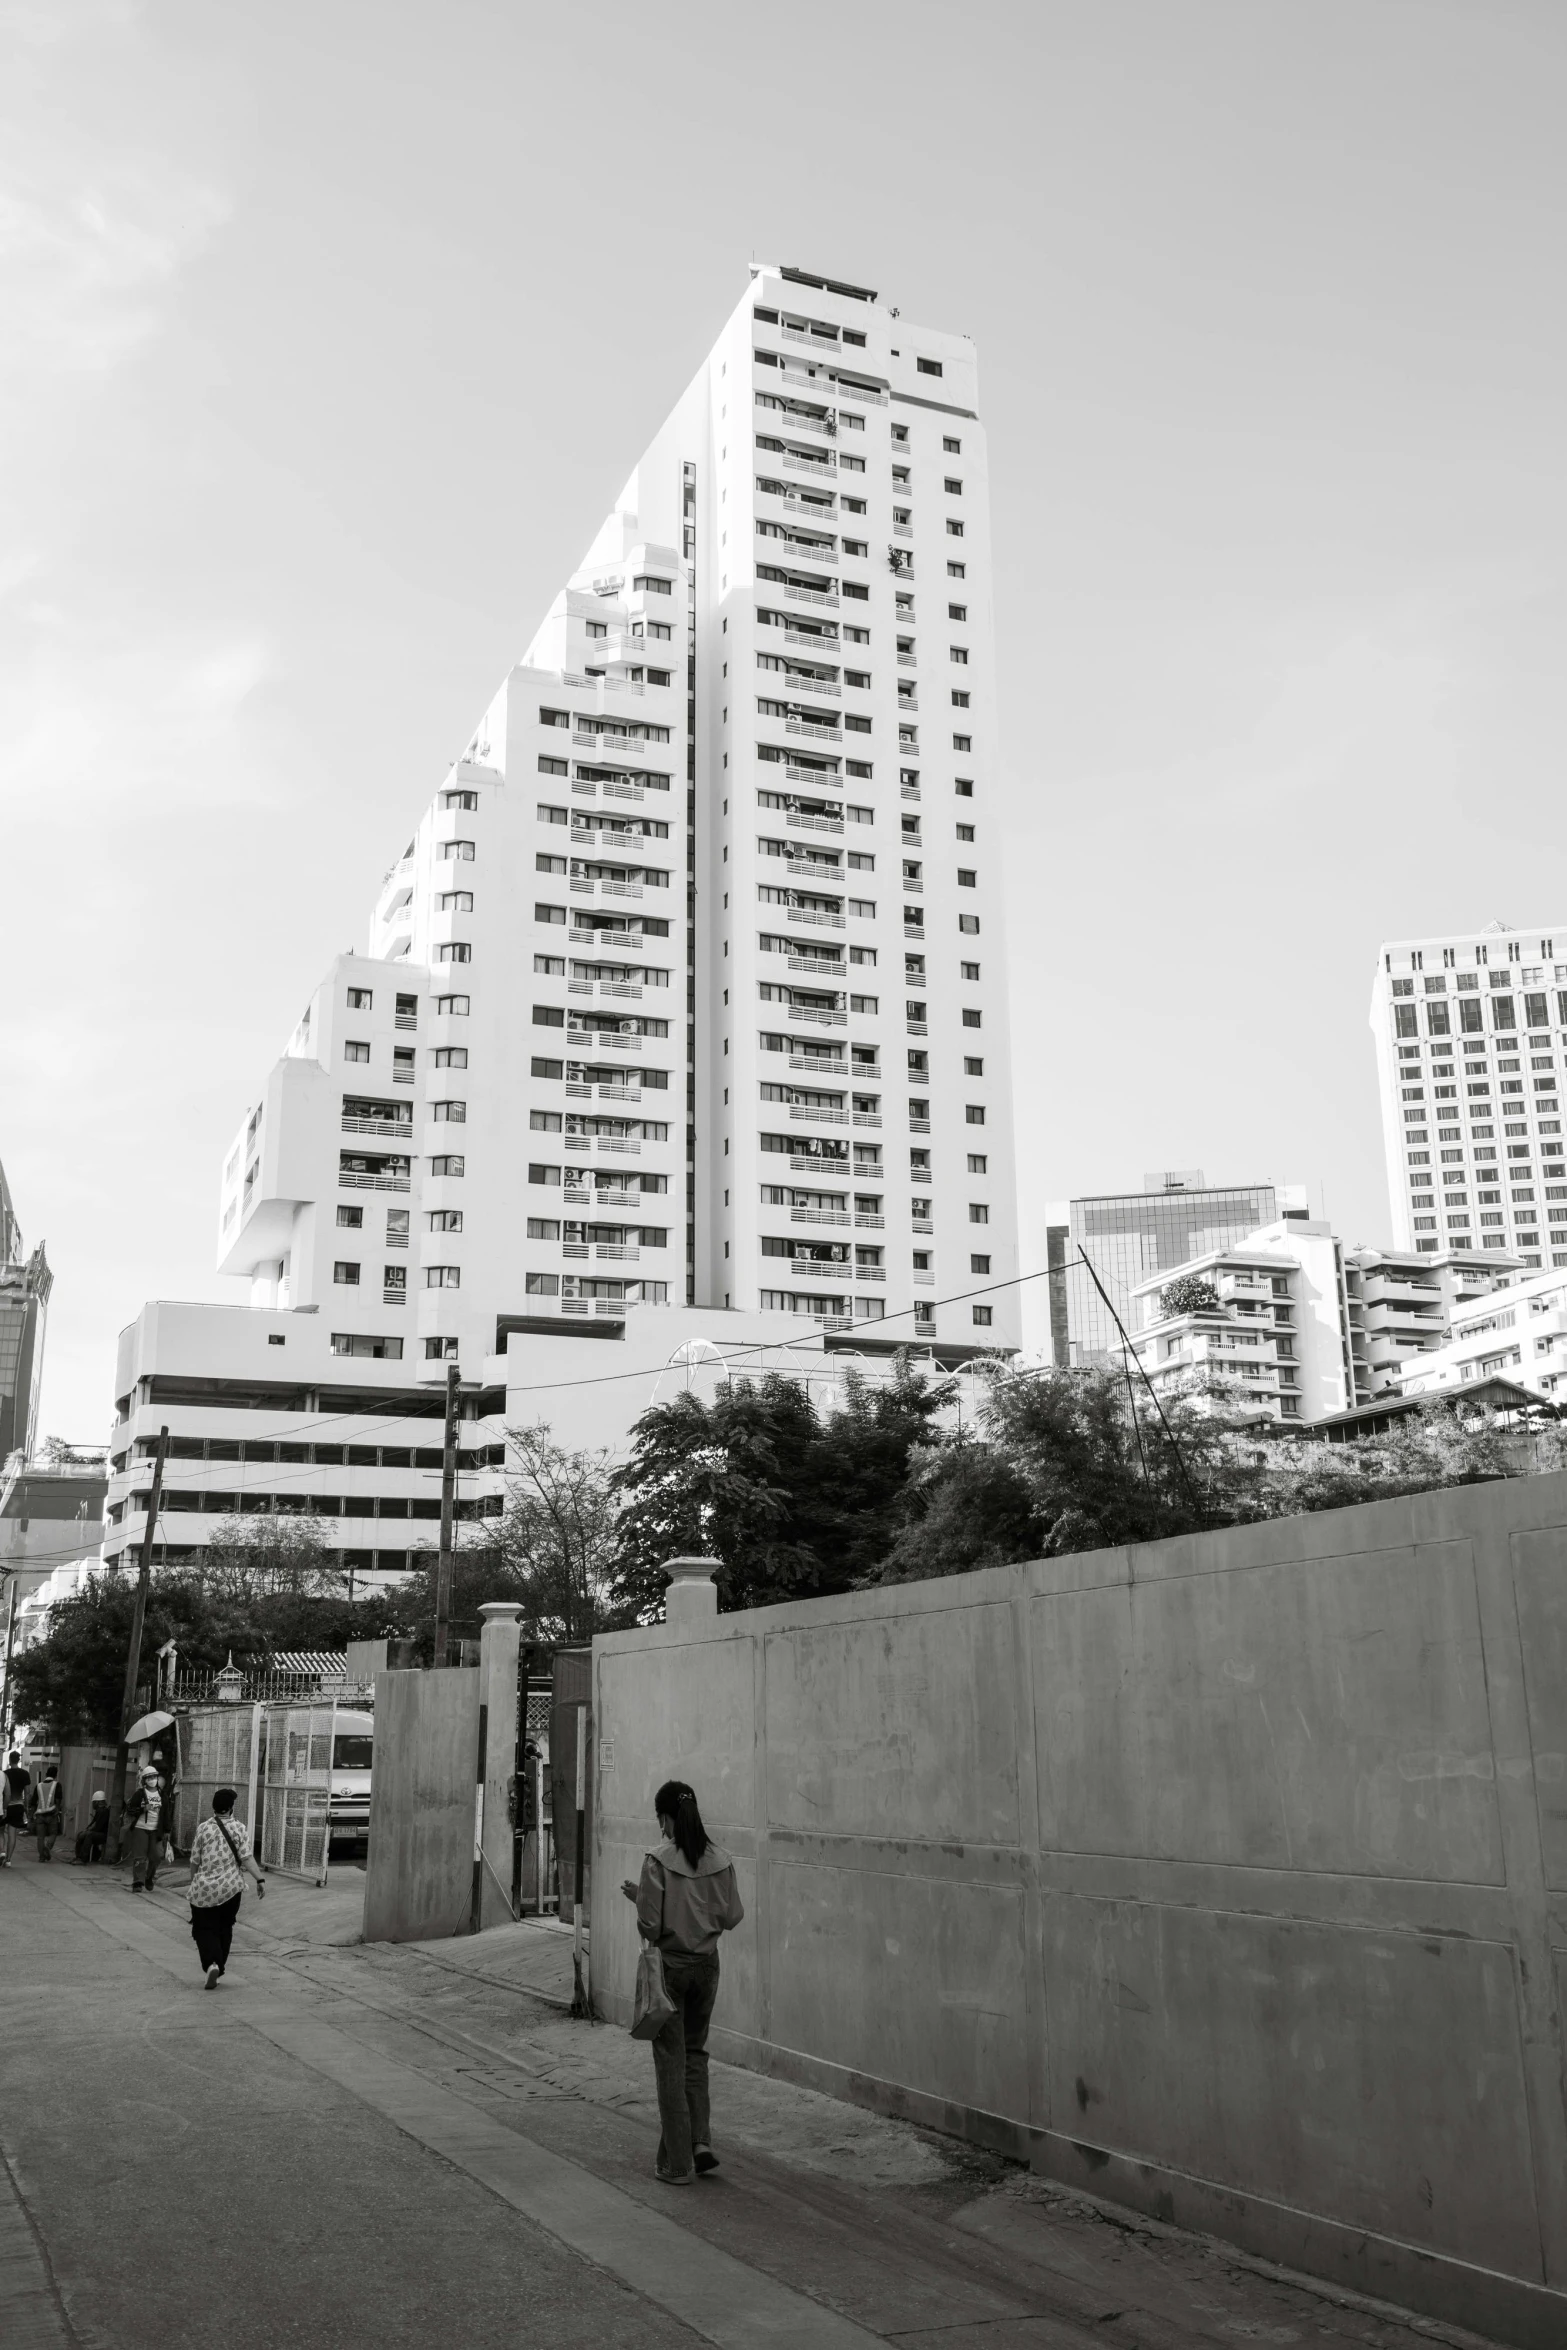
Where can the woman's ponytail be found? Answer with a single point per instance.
(676, 1801)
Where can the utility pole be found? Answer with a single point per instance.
(443, 1570)
(133, 1656)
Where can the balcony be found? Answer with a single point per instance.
(795, 461)
(819, 963)
(819, 1215)
(863, 394)
(812, 920)
(820, 1018)
(802, 595)
(908, 791)
(629, 941)
(799, 683)
(610, 1038)
(867, 1117)
(372, 1182)
(870, 1272)
(823, 778)
(586, 884)
(823, 641)
(628, 1145)
(907, 703)
(406, 1020)
(906, 660)
(903, 530)
(391, 1129)
(813, 730)
(797, 821)
(819, 1064)
(923, 1224)
(924, 1280)
(917, 1027)
(819, 1269)
(812, 869)
(870, 1223)
(827, 344)
(803, 1114)
(813, 1162)
(919, 1125)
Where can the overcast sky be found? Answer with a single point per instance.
(330, 332)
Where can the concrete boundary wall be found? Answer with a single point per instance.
(1226, 1877)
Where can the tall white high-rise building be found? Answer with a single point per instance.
(1470, 1032)
(688, 990)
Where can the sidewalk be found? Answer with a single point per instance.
(388, 2145)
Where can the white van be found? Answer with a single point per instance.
(348, 1796)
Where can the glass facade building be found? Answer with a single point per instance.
(1126, 1236)
(25, 1283)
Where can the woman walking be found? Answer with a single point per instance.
(218, 1858)
(686, 1898)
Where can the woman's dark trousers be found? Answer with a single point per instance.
(680, 2061)
(214, 1930)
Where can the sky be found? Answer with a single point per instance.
(331, 332)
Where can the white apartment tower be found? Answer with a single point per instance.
(1470, 1032)
(689, 989)
(692, 972)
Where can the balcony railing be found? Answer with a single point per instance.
(799, 683)
(813, 731)
(813, 641)
(919, 1125)
(869, 1223)
(925, 1280)
(870, 1272)
(819, 1064)
(813, 868)
(819, 1215)
(794, 461)
(923, 1224)
(917, 1027)
(372, 1182)
(909, 791)
(390, 1129)
(803, 595)
(806, 1162)
(821, 963)
(406, 1020)
(823, 778)
(610, 1037)
(804, 1114)
(820, 1018)
(631, 941)
(820, 1269)
(867, 1117)
(798, 821)
(812, 919)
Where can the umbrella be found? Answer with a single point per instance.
(148, 1727)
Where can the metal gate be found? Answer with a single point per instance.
(293, 1787)
(218, 1748)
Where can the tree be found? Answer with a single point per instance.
(792, 1503)
(558, 1536)
(266, 1557)
(1189, 1293)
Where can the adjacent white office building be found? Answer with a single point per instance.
(1470, 1032)
(1520, 1333)
(688, 990)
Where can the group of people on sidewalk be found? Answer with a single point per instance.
(220, 1854)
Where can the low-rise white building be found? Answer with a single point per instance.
(1401, 1306)
(1518, 1333)
(1269, 1315)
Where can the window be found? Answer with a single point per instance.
(351, 1219)
(451, 1056)
(952, 447)
(653, 587)
(455, 901)
(957, 571)
(548, 1016)
(967, 878)
(964, 788)
(965, 831)
(543, 862)
(539, 1173)
(449, 1164)
(458, 852)
(397, 1227)
(963, 742)
(553, 718)
(345, 1275)
(954, 529)
(394, 1278)
(453, 1007)
(354, 1050)
(381, 1350)
(973, 1115)
(1404, 1019)
(360, 999)
(542, 1284)
(928, 366)
(960, 701)
(544, 1121)
(979, 1264)
(543, 1228)
(443, 1277)
(952, 486)
(549, 914)
(982, 1317)
(449, 1113)
(548, 766)
(470, 799)
(978, 1163)
(978, 1213)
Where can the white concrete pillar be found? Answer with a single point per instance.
(499, 1641)
(692, 1599)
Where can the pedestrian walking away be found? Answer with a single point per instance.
(15, 1786)
(218, 1859)
(93, 1841)
(686, 1897)
(48, 1811)
(148, 1818)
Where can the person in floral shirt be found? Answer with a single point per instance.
(218, 1859)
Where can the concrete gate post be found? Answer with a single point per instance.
(498, 1654)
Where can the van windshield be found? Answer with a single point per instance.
(351, 1751)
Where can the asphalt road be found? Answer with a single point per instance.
(363, 2148)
